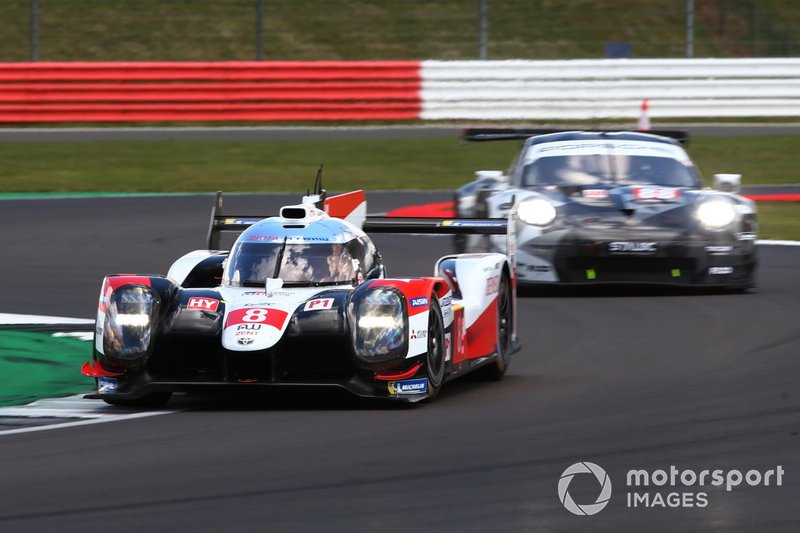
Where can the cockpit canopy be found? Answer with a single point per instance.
(325, 252)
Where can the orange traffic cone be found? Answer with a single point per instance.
(644, 119)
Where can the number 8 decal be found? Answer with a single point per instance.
(270, 317)
(255, 315)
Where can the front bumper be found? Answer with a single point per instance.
(724, 260)
(361, 383)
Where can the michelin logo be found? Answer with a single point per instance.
(409, 386)
(106, 384)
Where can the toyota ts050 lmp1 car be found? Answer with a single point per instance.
(302, 299)
(613, 207)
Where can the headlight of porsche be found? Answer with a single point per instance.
(379, 325)
(716, 214)
(127, 330)
(536, 211)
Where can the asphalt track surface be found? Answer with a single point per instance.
(627, 379)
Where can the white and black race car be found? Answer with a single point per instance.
(613, 207)
(302, 300)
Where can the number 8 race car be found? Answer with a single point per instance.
(302, 299)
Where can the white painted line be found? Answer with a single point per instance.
(14, 319)
(85, 422)
(75, 410)
(770, 242)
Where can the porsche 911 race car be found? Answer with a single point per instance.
(613, 207)
(302, 300)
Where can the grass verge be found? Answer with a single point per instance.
(429, 163)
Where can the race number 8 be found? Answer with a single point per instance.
(255, 315)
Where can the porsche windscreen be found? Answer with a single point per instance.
(251, 263)
(622, 169)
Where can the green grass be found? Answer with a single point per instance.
(173, 166)
(779, 220)
(209, 30)
(429, 163)
(760, 160)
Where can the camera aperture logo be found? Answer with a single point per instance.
(665, 488)
(590, 508)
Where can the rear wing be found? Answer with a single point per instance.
(451, 226)
(352, 207)
(514, 134)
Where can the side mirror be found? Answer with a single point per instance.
(494, 175)
(728, 182)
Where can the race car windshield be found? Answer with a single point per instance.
(251, 263)
(593, 169)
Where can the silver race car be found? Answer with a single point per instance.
(613, 207)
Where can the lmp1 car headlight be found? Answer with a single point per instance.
(127, 330)
(537, 211)
(716, 214)
(379, 325)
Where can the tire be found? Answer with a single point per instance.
(158, 399)
(495, 370)
(435, 363)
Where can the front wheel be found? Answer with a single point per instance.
(435, 359)
(505, 324)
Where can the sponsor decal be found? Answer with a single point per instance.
(632, 247)
(656, 193)
(720, 270)
(538, 268)
(474, 224)
(419, 302)
(254, 293)
(203, 304)
(106, 384)
(254, 327)
(318, 304)
(256, 315)
(447, 301)
(492, 285)
(719, 250)
(409, 386)
(290, 239)
(419, 334)
(594, 193)
(244, 341)
(237, 221)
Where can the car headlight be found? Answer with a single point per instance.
(537, 211)
(379, 325)
(127, 329)
(716, 214)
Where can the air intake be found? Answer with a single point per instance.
(294, 213)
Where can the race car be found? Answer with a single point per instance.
(302, 300)
(604, 207)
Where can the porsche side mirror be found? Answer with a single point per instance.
(728, 182)
(493, 175)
